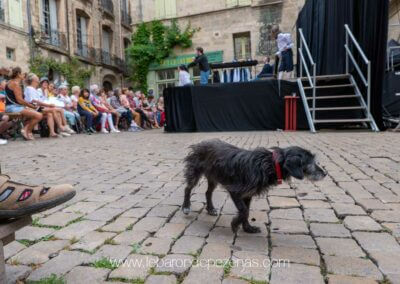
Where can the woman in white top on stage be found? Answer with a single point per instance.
(184, 76)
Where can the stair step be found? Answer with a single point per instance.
(330, 86)
(336, 108)
(333, 97)
(324, 77)
(341, 120)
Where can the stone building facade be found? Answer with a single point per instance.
(94, 31)
(230, 29)
(394, 20)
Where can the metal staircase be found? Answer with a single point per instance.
(335, 100)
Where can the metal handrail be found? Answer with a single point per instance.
(349, 54)
(312, 79)
(390, 57)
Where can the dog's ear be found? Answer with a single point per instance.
(294, 166)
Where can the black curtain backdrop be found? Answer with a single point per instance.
(323, 24)
(230, 107)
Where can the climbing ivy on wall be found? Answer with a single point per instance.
(73, 71)
(153, 42)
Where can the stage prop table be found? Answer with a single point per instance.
(248, 106)
(7, 235)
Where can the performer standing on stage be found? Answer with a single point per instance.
(204, 67)
(285, 52)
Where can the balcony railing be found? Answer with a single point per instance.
(107, 6)
(114, 61)
(126, 19)
(54, 37)
(88, 53)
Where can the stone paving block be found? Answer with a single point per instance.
(120, 224)
(296, 274)
(352, 266)
(84, 275)
(104, 214)
(78, 230)
(180, 218)
(12, 249)
(149, 224)
(175, 263)
(220, 234)
(136, 212)
(292, 241)
(344, 279)
(261, 226)
(214, 251)
(259, 204)
(199, 228)
(296, 255)
(83, 207)
(149, 202)
(258, 216)
(250, 243)
(361, 223)
(394, 228)
(31, 233)
(386, 216)
(162, 211)
(289, 214)
(339, 247)
(59, 265)
(39, 253)
(329, 230)
(387, 262)
(288, 226)
(282, 202)
(92, 240)
(161, 279)
(314, 204)
(17, 273)
(105, 198)
(170, 230)
(258, 272)
(156, 246)
(59, 219)
(372, 204)
(140, 271)
(115, 252)
(233, 281)
(320, 215)
(224, 221)
(201, 275)
(131, 237)
(341, 199)
(282, 192)
(344, 209)
(188, 245)
(377, 242)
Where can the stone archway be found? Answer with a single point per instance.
(110, 82)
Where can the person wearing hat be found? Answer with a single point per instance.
(285, 44)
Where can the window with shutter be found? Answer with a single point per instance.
(170, 8)
(160, 9)
(231, 3)
(244, 2)
(15, 13)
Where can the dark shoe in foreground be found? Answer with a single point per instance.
(17, 199)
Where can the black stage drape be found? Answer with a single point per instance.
(323, 24)
(391, 101)
(230, 107)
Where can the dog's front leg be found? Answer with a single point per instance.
(246, 225)
(242, 208)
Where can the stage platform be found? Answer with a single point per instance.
(249, 106)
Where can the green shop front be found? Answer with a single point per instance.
(166, 75)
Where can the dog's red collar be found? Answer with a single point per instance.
(277, 167)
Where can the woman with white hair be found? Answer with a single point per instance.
(69, 114)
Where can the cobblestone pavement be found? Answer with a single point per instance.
(345, 229)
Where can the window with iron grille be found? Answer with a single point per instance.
(242, 46)
(2, 15)
(46, 16)
(10, 53)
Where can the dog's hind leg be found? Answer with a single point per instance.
(192, 178)
(210, 206)
(245, 224)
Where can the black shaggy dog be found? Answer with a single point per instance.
(244, 173)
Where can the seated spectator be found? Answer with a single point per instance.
(138, 105)
(160, 111)
(267, 71)
(116, 115)
(49, 111)
(149, 111)
(46, 95)
(104, 113)
(5, 124)
(15, 103)
(70, 114)
(123, 98)
(114, 101)
(88, 111)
